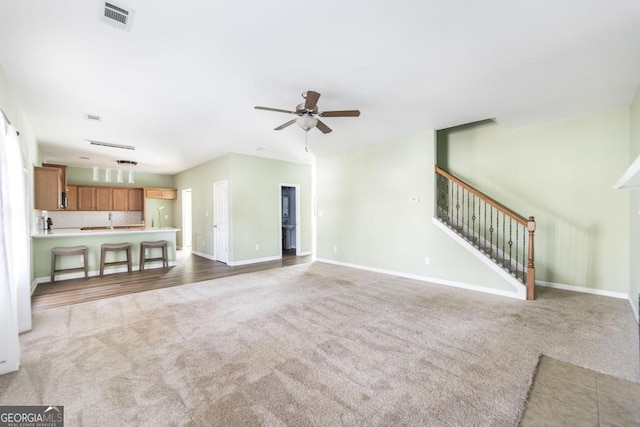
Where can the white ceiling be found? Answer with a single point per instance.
(182, 84)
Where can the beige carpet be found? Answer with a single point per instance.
(312, 344)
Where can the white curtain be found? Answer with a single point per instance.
(14, 253)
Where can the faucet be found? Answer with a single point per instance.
(110, 220)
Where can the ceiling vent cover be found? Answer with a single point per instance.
(118, 16)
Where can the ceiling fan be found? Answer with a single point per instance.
(308, 113)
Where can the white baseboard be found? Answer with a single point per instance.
(254, 261)
(304, 253)
(601, 292)
(517, 295)
(582, 289)
(33, 285)
(203, 255)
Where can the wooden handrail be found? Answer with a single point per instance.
(528, 223)
(519, 218)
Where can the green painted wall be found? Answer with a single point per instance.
(200, 179)
(365, 214)
(254, 204)
(82, 176)
(563, 174)
(634, 211)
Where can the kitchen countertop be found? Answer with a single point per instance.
(78, 232)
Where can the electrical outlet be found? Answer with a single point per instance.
(335, 249)
(166, 217)
(427, 260)
(257, 247)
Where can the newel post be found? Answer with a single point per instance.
(531, 271)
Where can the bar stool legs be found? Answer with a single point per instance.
(106, 247)
(69, 250)
(149, 245)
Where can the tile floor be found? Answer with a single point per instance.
(568, 395)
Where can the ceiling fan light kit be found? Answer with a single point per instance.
(307, 122)
(308, 113)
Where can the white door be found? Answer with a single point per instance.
(221, 221)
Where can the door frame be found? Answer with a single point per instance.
(187, 219)
(298, 234)
(216, 254)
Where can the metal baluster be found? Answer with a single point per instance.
(504, 241)
(473, 219)
(491, 229)
(510, 244)
(517, 247)
(457, 205)
(484, 228)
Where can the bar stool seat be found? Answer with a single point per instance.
(107, 247)
(150, 245)
(69, 250)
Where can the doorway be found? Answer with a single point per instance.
(221, 221)
(290, 219)
(187, 227)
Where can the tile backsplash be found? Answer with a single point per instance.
(77, 219)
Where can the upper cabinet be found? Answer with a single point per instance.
(127, 199)
(107, 198)
(72, 197)
(161, 193)
(48, 188)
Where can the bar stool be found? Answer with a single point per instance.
(69, 250)
(150, 245)
(107, 247)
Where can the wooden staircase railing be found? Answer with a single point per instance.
(495, 230)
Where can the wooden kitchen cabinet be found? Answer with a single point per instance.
(136, 200)
(86, 196)
(120, 199)
(72, 197)
(48, 188)
(127, 199)
(95, 198)
(63, 174)
(161, 193)
(104, 199)
(107, 198)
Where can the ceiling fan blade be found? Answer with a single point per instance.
(284, 125)
(274, 109)
(323, 128)
(343, 113)
(311, 100)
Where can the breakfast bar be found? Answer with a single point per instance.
(43, 241)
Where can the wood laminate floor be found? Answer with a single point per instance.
(189, 268)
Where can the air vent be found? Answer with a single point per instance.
(126, 162)
(94, 117)
(108, 144)
(117, 15)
